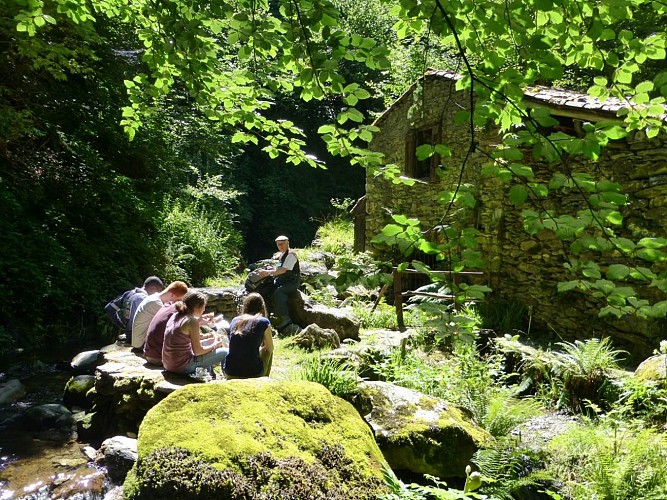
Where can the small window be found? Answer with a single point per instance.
(414, 167)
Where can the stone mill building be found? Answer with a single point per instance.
(518, 266)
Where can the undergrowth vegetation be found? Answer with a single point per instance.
(475, 356)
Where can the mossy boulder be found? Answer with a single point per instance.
(77, 391)
(419, 433)
(653, 368)
(253, 439)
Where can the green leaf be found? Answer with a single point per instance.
(652, 243)
(391, 230)
(617, 199)
(615, 132)
(326, 129)
(651, 255)
(591, 270)
(521, 170)
(518, 194)
(512, 154)
(566, 286)
(355, 115)
(659, 309)
(443, 150)
(605, 286)
(624, 244)
(421, 267)
(424, 151)
(645, 86)
(617, 271)
(642, 274)
(466, 199)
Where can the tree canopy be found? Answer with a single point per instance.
(234, 66)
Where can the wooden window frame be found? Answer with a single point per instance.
(424, 169)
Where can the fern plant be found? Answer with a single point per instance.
(583, 368)
(601, 461)
(398, 490)
(382, 317)
(500, 412)
(644, 399)
(508, 469)
(339, 377)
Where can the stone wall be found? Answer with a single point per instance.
(226, 301)
(519, 266)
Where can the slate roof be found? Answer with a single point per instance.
(560, 101)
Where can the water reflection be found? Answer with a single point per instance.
(43, 464)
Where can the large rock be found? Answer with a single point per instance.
(86, 361)
(419, 433)
(653, 368)
(126, 387)
(118, 454)
(11, 390)
(304, 311)
(48, 416)
(313, 337)
(77, 391)
(253, 439)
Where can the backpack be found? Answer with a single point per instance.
(118, 310)
(255, 283)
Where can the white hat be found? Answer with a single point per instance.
(282, 238)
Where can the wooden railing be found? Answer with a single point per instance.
(399, 293)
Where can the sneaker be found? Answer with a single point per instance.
(201, 374)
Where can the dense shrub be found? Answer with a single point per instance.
(197, 245)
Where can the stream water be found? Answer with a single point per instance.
(43, 464)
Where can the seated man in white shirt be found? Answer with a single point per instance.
(287, 280)
(149, 308)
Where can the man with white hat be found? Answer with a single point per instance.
(287, 280)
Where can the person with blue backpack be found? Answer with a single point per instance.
(122, 309)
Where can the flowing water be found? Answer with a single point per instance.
(43, 464)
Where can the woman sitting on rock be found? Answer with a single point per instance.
(250, 341)
(182, 351)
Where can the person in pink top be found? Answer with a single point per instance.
(182, 351)
(155, 334)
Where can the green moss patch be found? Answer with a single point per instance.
(295, 425)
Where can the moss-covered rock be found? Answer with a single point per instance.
(255, 438)
(420, 433)
(77, 391)
(653, 368)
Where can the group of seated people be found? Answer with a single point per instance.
(165, 323)
(166, 327)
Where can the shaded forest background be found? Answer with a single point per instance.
(88, 213)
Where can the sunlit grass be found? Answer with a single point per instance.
(336, 236)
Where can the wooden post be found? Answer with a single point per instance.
(383, 290)
(398, 299)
